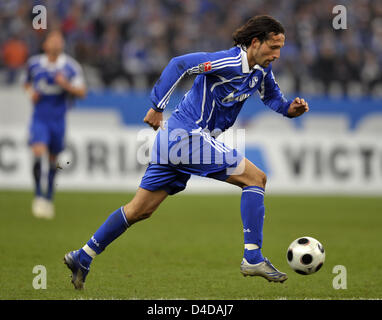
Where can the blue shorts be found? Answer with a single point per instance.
(177, 154)
(50, 133)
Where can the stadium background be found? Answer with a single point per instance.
(123, 45)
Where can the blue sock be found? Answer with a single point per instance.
(252, 216)
(110, 230)
(51, 176)
(85, 259)
(253, 256)
(37, 176)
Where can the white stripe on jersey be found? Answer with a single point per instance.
(212, 110)
(224, 59)
(162, 104)
(194, 70)
(214, 143)
(224, 81)
(261, 89)
(203, 101)
(230, 64)
(222, 146)
(216, 64)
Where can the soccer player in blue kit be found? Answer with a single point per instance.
(224, 80)
(53, 79)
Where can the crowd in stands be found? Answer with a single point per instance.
(127, 43)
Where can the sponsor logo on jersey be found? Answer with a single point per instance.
(47, 88)
(231, 97)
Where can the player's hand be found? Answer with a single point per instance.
(33, 94)
(61, 80)
(298, 107)
(154, 119)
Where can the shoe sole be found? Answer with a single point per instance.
(260, 275)
(76, 273)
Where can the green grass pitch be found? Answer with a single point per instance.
(191, 248)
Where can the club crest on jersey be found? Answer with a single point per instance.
(204, 67)
(253, 82)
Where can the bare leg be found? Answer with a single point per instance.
(143, 204)
(38, 150)
(140, 207)
(250, 175)
(51, 176)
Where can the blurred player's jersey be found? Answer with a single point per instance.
(41, 73)
(223, 83)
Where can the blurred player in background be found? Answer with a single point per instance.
(53, 79)
(224, 81)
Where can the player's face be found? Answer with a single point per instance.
(54, 43)
(269, 50)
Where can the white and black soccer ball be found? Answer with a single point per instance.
(306, 255)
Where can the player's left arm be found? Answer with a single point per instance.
(75, 90)
(272, 96)
(75, 86)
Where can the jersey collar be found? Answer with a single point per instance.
(244, 63)
(60, 62)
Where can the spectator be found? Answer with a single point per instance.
(15, 54)
(134, 39)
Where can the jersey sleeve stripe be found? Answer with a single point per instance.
(162, 104)
(227, 65)
(203, 101)
(215, 65)
(224, 59)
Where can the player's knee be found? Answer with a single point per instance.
(136, 213)
(39, 149)
(145, 214)
(257, 179)
(263, 178)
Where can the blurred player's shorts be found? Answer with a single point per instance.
(50, 133)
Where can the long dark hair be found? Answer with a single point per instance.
(257, 27)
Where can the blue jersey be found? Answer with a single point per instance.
(223, 83)
(54, 100)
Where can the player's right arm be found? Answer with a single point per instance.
(28, 85)
(154, 118)
(193, 63)
(32, 93)
(178, 67)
